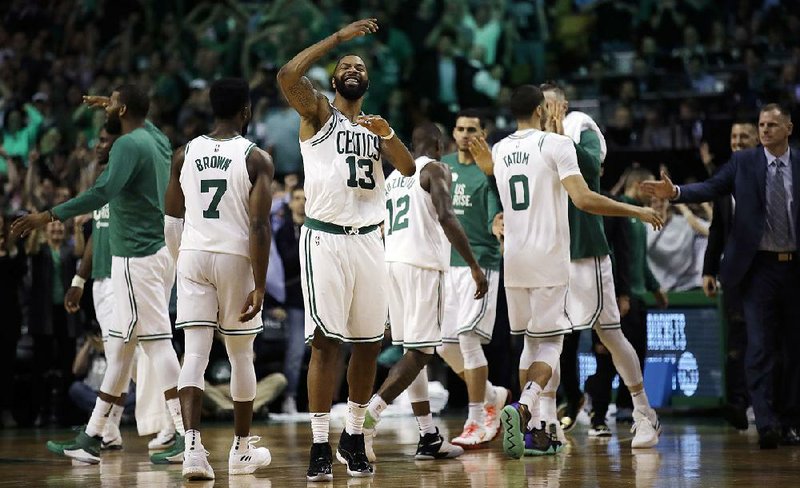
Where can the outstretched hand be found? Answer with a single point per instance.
(482, 155)
(375, 124)
(28, 223)
(652, 217)
(252, 305)
(660, 189)
(96, 101)
(357, 29)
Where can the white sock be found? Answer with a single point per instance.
(320, 425)
(115, 416)
(491, 393)
(476, 413)
(193, 442)
(530, 398)
(376, 407)
(240, 444)
(174, 407)
(425, 424)
(640, 401)
(547, 408)
(97, 422)
(355, 418)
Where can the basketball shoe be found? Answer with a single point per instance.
(248, 461)
(174, 455)
(196, 466)
(646, 429)
(492, 411)
(473, 436)
(320, 465)
(433, 446)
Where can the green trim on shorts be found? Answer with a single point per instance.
(473, 325)
(549, 333)
(598, 277)
(609, 326)
(154, 337)
(236, 332)
(195, 323)
(131, 300)
(417, 345)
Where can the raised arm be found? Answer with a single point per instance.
(174, 205)
(435, 179)
(261, 171)
(312, 106)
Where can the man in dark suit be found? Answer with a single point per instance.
(744, 135)
(761, 258)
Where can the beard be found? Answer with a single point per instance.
(113, 124)
(351, 93)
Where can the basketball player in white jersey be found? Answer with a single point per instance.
(420, 225)
(218, 205)
(532, 164)
(344, 274)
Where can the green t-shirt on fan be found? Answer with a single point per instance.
(475, 204)
(586, 232)
(133, 184)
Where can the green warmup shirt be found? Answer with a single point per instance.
(101, 247)
(641, 278)
(587, 237)
(475, 204)
(133, 184)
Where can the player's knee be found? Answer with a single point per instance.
(527, 356)
(547, 350)
(322, 344)
(451, 353)
(192, 371)
(472, 351)
(421, 356)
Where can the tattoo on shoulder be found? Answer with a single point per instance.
(303, 93)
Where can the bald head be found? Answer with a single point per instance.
(427, 140)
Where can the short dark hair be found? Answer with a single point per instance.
(552, 86)
(339, 61)
(781, 109)
(474, 113)
(425, 134)
(135, 99)
(524, 101)
(638, 175)
(229, 96)
(744, 122)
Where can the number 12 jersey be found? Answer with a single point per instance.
(529, 166)
(216, 187)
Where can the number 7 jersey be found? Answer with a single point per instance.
(529, 166)
(411, 230)
(216, 188)
(343, 174)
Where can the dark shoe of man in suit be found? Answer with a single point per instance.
(790, 436)
(769, 438)
(736, 415)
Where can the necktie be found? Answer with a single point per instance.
(777, 212)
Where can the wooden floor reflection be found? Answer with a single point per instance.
(691, 454)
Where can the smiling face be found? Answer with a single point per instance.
(743, 136)
(350, 79)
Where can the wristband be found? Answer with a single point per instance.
(389, 136)
(77, 282)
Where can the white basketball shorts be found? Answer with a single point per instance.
(591, 299)
(416, 303)
(462, 313)
(103, 298)
(141, 288)
(538, 312)
(344, 285)
(212, 289)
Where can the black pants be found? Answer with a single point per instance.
(634, 327)
(570, 383)
(771, 292)
(735, 384)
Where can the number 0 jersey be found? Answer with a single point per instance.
(343, 174)
(411, 229)
(529, 166)
(216, 187)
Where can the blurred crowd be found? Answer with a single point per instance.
(655, 74)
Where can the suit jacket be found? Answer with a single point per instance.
(744, 177)
(721, 224)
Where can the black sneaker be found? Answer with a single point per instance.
(433, 446)
(599, 429)
(540, 442)
(320, 466)
(351, 452)
(570, 414)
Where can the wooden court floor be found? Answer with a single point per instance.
(691, 454)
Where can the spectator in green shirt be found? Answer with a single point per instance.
(19, 135)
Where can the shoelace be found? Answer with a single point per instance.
(253, 440)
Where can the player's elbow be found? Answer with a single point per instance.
(408, 170)
(583, 201)
(286, 74)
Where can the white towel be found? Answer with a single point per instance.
(151, 409)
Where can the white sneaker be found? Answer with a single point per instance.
(112, 438)
(492, 411)
(247, 462)
(289, 405)
(646, 429)
(195, 465)
(164, 440)
(473, 436)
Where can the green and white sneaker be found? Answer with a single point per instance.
(173, 455)
(83, 448)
